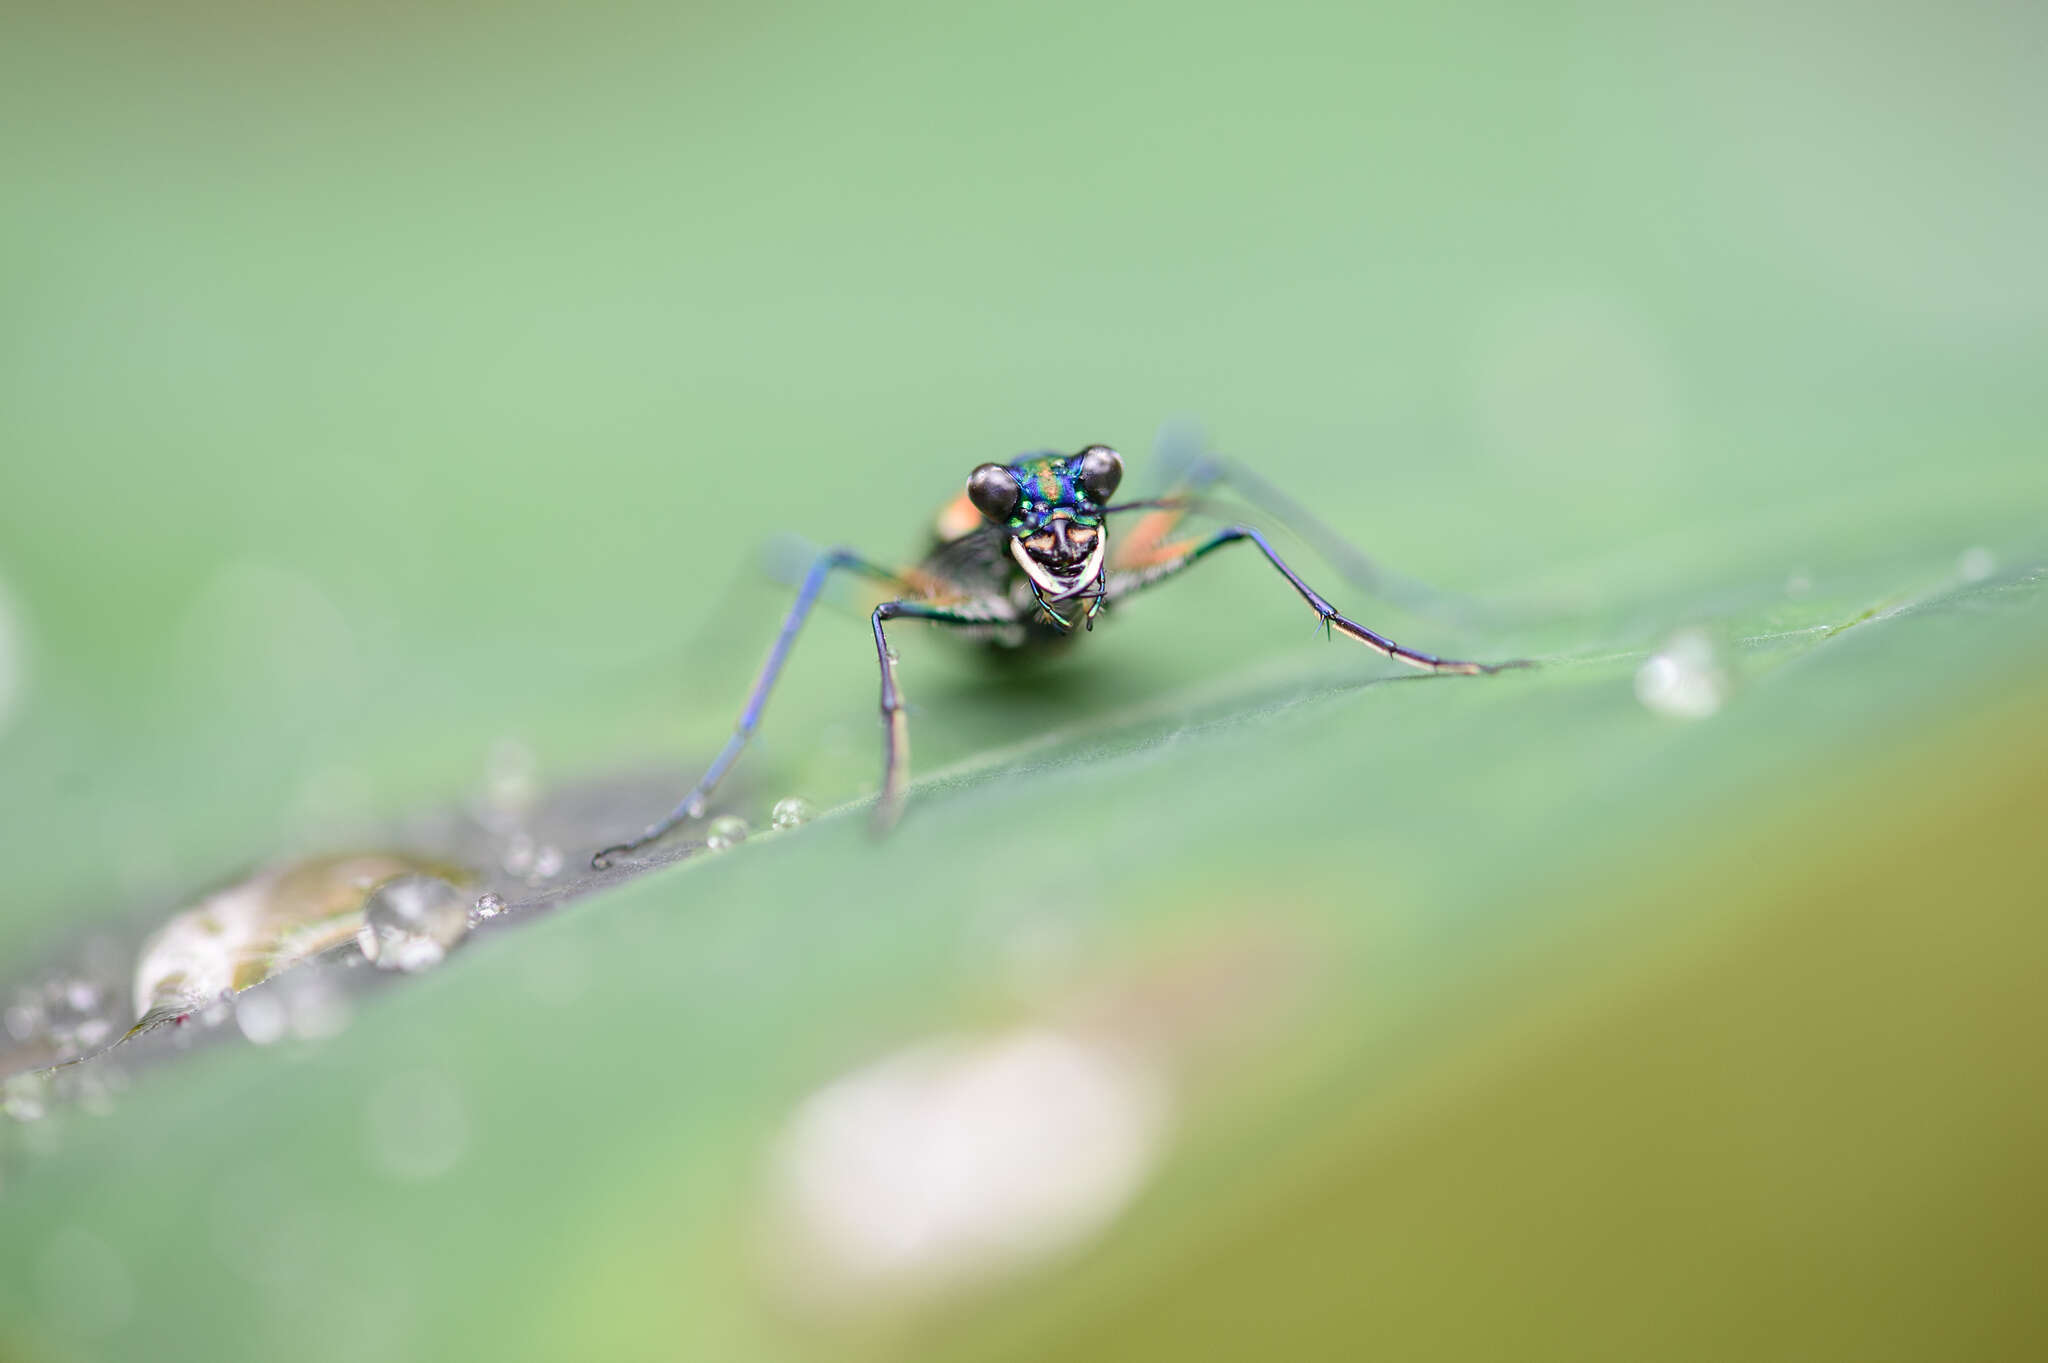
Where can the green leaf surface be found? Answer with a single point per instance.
(387, 388)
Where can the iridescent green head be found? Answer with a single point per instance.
(1052, 506)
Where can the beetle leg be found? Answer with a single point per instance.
(1146, 542)
(895, 726)
(1190, 554)
(692, 805)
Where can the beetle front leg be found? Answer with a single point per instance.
(692, 805)
(1327, 613)
(895, 726)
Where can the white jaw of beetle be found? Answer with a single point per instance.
(1052, 586)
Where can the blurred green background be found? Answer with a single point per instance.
(379, 384)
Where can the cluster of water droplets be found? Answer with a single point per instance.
(730, 830)
(267, 956)
(70, 1015)
(49, 1026)
(202, 959)
(303, 1005)
(534, 862)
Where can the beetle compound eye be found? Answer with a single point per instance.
(993, 490)
(1102, 468)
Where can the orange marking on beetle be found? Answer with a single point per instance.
(958, 517)
(1147, 546)
(931, 587)
(1138, 547)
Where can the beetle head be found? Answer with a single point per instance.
(1052, 507)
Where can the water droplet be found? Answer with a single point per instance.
(792, 811)
(961, 1157)
(314, 1003)
(547, 864)
(487, 906)
(1976, 564)
(411, 921)
(1685, 678)
(25, 1097)
(262, 1016)
(727, 830)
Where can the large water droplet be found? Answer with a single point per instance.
(792, 811)
(1684, 679)
(256, 928)
(411, 921)
(262, 1016)
(727, 830)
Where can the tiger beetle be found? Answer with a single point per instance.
(1022, 559)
